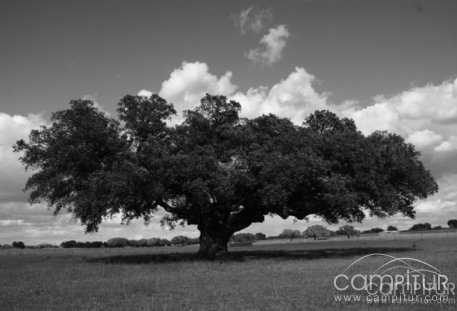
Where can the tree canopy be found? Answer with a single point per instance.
(420, 227)
(317, 232)
(290, 234)
(215, 169)
(347, 230)
(452, 223)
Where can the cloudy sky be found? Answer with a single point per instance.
(389, 65)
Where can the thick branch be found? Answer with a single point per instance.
(244, 218)
(164, 205)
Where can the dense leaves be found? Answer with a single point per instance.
(317, 232)
(215, 170)
(452, 223)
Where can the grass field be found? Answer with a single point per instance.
(295, 276)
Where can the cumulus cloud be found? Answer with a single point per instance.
(419, 108)
(253, 20)
(145, 93)
(96, 104)
(189, 83)
(294, 97)
(449, 145)
(12, 174)
(425, 116)
(271, 47)
(12, 222)
(424, 138)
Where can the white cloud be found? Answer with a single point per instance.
(145, 93)
(12, 174)
(253, 20)
(375, 117)
(425, 116)
(189, 83)
(448, 146)
(293, 97)
(272, 46)
(11, 222)
(96, 104)
(432, 107)
(423, 139)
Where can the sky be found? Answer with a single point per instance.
(389, 65)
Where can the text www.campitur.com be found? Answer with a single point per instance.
(428, 299)
(348, 298)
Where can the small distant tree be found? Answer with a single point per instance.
(290, 234)
(153, 242)
(18, 244)
(164, 242)
(374, 230)
(133, 243)
(421, 227)
(243, 237)
(392, 228)
(142, 243)
(180, 240)
(94, 244)
(316, 232)
(80, 245)
(68, 244)
(437, 228)
(138, 243)
(118, 242)
(347, 230)
(452, 223)
(259, 236)
(45, 245)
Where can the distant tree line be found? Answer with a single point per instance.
(426, 226)
(316, 232)
(123, 242)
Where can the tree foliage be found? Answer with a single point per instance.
(215, 170)
(290, 234)
(452, 223)
(347, 230)
(420, 227)
(317, 232)
(181, 240)
(118, 242)
(18, 244)
(259, 236)
(374, 230)
(243, 237)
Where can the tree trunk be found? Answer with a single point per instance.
(213, 242)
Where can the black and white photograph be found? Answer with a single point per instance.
(215, 155)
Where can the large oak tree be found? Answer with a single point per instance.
(216, 170)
